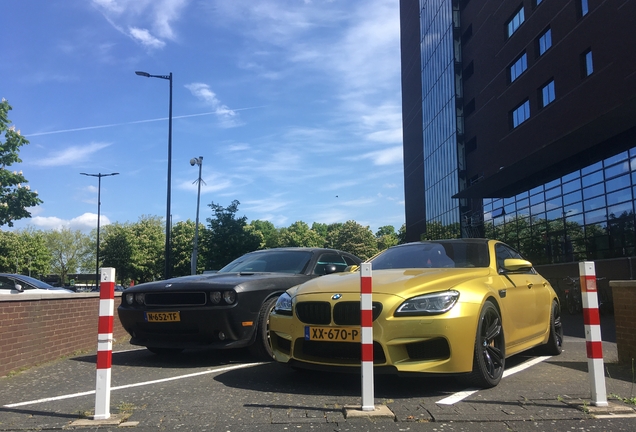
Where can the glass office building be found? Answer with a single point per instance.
(439, 114)
(528, 125)
(586, 214)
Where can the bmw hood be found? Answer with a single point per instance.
(401, 282)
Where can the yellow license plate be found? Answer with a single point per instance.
(163, 316)
(332, 334)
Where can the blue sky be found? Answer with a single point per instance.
(294, 106)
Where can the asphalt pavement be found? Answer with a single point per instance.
(227, 391)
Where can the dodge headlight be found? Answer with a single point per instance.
(429, 304)
(284, 305)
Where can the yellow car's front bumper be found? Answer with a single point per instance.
(425, 344)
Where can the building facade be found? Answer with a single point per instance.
(528, 124)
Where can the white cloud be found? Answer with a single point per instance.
(388, 156)
(228, 117)
(85, 222)
(266, 205)
(149, 22)
(145, 38)
(71, 155)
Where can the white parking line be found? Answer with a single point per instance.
(69, 396)
(459, 396)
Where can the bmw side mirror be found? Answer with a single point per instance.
(19, 288)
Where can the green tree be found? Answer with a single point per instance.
(320, 228)
(269, 231)
(182, 246)
(15, 195)
(116, 250)
(386, 237)
(353, 238)
(24, 252)
(228, 237)
(136, 251)
(299, 234)
(68, 248)
(148, 248)
(402, 234)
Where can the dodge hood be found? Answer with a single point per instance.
(401, 282)
(209, 281)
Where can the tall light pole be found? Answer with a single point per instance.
(193, 162)
(99, 203)
(167, 271)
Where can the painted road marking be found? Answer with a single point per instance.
(74, 395)
(459, 396)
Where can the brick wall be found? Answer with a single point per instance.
(624, 293)
(37, 328)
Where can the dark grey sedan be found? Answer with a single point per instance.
(228, 309)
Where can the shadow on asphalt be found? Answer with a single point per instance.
(187, 360)
(280, 379)
(38, 413)
(573, 325)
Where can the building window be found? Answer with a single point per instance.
(587, 64)
(545, 41)
(518, 67)
(520, 114)
(469, 108)
(468, 71)
(467, 34)
(516, 21)
(547, 94)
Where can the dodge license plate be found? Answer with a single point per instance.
(163, 316)
(332, 334)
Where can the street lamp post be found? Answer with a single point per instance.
(193, 162)
(99, 203)
(168, 216)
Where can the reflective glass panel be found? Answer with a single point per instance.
(593, 191)
(617, 183)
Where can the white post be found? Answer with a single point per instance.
(593, 341)
(104, 343)
(366, 320)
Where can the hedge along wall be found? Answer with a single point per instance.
(36, 328)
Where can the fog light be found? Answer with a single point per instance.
(221, 335)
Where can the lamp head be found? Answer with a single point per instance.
(144, 74)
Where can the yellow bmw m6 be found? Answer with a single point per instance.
(439, 307)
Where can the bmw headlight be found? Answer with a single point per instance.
(429, 304)
(130, 298)
(284, 305)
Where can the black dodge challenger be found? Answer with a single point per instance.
(227, 309)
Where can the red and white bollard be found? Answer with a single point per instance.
(104, 343)
(366, 320)
(593, 341)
